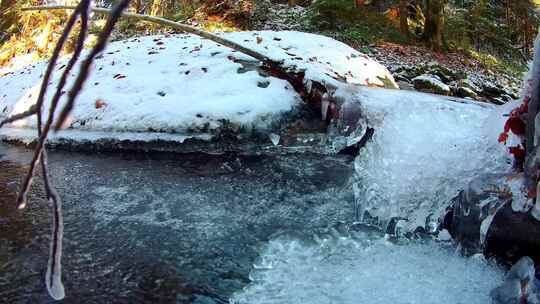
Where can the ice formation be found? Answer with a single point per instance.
(348, 270)
(424, 150)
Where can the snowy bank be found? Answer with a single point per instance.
(186, 85)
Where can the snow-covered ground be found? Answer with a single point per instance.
(185, 84)
(346, 270)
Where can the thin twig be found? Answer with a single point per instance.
(31, 111)
(21, 199)
(53, 278)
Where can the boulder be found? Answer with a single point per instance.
(482, 219)
(472, 211)
(445, 74)
(430, 84)
(490, 89)
(464, 92)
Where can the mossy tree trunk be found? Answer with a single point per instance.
(434, 26)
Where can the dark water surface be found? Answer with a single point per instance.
(161, 228)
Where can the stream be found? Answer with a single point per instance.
(198, 228)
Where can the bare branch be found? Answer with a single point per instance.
(53, 278)
(31, 111)
(21, 199)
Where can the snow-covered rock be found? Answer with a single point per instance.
(431, 84)
(186, 85)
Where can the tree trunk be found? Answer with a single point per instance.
(403, 17)
(359, 3)
(292, 3)
(433, 29)
(8, 17)
(162, 8)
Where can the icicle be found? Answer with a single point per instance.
(53, 278)
(274, 138)
(324, 106)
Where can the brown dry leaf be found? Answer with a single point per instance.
(259, 40)
(100, 103)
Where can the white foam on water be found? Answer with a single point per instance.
(345, 270)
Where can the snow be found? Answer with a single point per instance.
(363, 270)
(185, 84)
(424, 150)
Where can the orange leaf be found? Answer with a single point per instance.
(100, 104)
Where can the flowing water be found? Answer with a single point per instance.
(216, 229)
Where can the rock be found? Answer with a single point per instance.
(520, 285)
(405, 86)
(430, 84)
(464, 92)
(473, 209)
(401, 77)
(506, 97)
(481, 219)
(497, 101)
(489, 89)
(443, 73)
(468, 83)
(513, 235)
